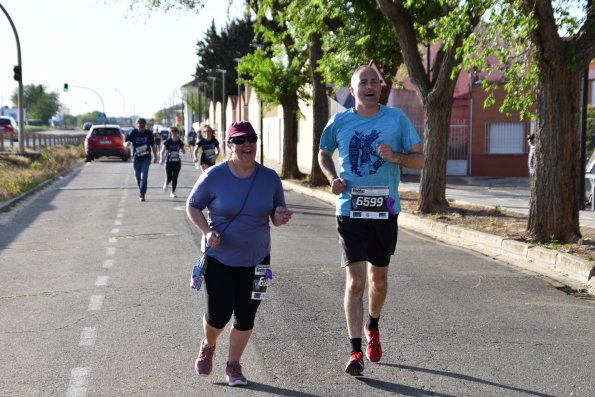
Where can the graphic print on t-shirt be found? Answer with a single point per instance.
(363, 157)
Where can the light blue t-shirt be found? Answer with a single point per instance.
(247, 240)
(356, 138)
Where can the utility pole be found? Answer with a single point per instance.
(18, 76)
(223, 107)
(239, 104)
(213, 78)
(123, 106)
(104, 116)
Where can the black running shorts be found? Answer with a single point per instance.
(371, 240)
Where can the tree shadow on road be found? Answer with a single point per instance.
(453, 375)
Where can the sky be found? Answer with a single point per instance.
(133, 61)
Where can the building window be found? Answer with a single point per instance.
(505, 138)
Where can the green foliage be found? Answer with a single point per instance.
(218, 51)
(502, 47)
(355, 32)
(40, 104)
(90, 116)
(277, 71)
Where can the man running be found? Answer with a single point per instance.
(373, 142)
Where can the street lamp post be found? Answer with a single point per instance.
(261, 131)
(223, 112)
(198, 100)
(260, 46)
(238, 60)
(18, 75)
(123, 105)
(203, 84)
(96, 93)
(213, 78)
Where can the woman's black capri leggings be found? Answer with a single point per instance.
(228, 290)
(172, 170)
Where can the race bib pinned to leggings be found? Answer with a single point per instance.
(262, 275)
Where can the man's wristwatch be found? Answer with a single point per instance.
(335, 178)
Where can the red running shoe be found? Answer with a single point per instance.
(373, 350)
(355, 365)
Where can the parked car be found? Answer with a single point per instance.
(87, 125)
(127, 130)
(106, 141)
(8, 126)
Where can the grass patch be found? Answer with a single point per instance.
(20, 173)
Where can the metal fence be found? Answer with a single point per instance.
(41, 140)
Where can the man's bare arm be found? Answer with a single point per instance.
(327, 166)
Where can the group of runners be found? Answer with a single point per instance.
(170, 150)
(243, 198)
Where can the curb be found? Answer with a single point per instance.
(564, 268)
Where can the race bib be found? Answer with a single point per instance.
(174, 156)
(262, 275)
(142, 150)
(209, 153)
(369, 202)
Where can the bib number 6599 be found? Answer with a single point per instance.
(367, 201)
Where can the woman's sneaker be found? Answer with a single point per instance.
(234, 375)
(204, 362)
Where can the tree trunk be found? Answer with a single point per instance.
(289, 166)
(555, 188)
(554, 205)
(432, 188)
(435, 88)
(319, 108)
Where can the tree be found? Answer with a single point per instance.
(562, 62)
(423, 23)
(333, 31)
(218, 51)
(346, 34)
(40, 104)
(358, 32)
(277, 72)
(543, 52)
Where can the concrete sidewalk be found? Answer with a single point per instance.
(507, 193)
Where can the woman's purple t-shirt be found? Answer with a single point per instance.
(247, 240)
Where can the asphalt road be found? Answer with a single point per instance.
(94, 300)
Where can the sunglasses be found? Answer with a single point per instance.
(240, 140)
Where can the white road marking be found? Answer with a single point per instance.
(115, 230)
(79, 378)
(110, 251)
(101, 281)
(119, 215)
(108, 263)
(88, 336)
(112, 240)
(118, 223)
(95, 302)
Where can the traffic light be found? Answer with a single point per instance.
(17, 73)
(65, 87)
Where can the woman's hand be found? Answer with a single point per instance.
(213, 239)
(281, 216)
